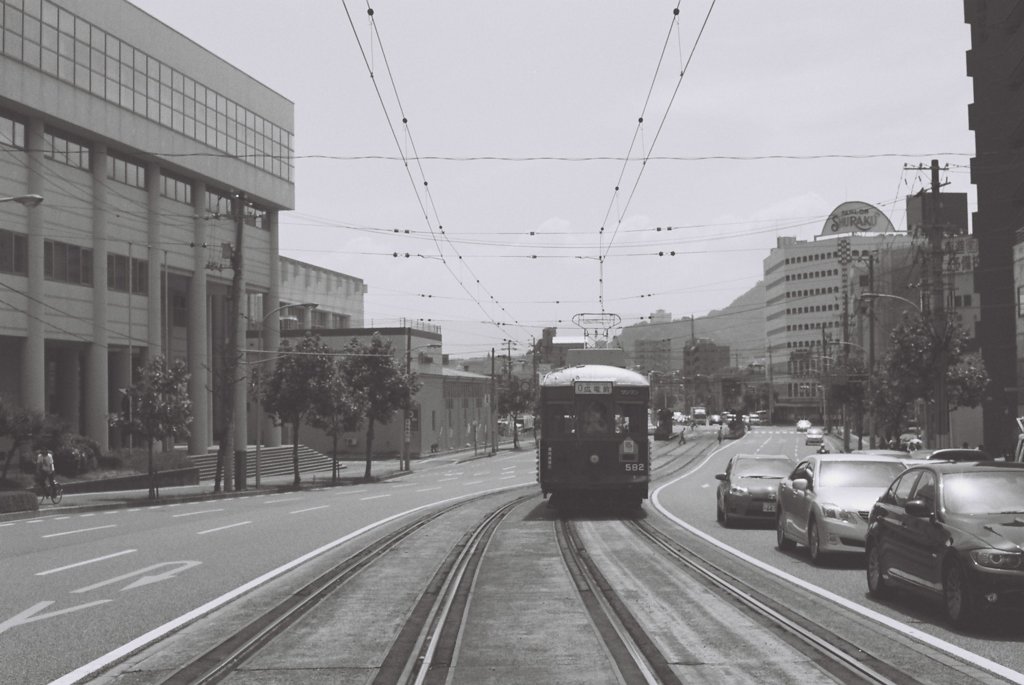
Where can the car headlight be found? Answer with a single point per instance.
(738, 490)
(997, 558)
(838, 513)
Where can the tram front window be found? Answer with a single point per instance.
(631, 419)
(559, 421)
(595, 419)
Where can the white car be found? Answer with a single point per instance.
(802, 425)
(825, 502)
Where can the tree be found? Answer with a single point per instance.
(514, 398)
(370, 370)
(297, 385)
(338, 410)
(918, 352)
(22, 426)
(160, 407)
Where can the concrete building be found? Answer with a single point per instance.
(996, 64)
(142, 145)
(451, 410)
(808, 298)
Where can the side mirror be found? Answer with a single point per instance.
(721, 476)
(919, 508)
(801, 484)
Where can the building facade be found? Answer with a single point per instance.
(995, 62)
(158, 163)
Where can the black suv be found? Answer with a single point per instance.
(954, 531)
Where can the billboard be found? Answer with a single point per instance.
(853, 217)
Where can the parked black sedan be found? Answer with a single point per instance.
(748, 488)
(954, 531)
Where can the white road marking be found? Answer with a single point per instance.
(195, 513)
(428, 489)
(473, 482)
(214, 530)
(286, 499)
(302, 511)
(959, 652)
(343, 491)
(85, 516)
(190, 616)
(80, 530)
(443, 480)
(32, 613)
(363, 499)
(4, 525)
(177, 567)
(87, 561)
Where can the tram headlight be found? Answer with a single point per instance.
(594, 458)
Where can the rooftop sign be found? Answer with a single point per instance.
(851, 217)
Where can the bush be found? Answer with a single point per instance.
(75, 455)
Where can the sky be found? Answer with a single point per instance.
(522, 141)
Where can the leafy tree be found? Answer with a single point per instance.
(371, 371)
(297, 386)
(515, 397)
(338, 410)
(22, 426)
(918, 353)
(160, 407)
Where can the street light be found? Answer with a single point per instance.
(406, 464)
(256, 371)
(31, 200)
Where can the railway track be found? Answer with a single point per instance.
(420, 644)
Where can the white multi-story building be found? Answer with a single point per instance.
(137, 140)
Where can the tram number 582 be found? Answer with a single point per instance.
(634, 467)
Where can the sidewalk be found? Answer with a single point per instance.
(351, 474)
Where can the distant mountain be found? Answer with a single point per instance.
(740, 325)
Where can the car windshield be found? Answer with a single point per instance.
(984, 492)
(762, 468)
(858, 473)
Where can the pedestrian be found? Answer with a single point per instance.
(682, 435)
(719, 434)
(44, 470)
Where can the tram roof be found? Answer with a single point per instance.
(594, 372)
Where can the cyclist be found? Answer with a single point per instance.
(44, 470)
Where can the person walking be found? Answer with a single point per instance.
(682, 435)
(719, 434)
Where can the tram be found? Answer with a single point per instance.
(593, 443)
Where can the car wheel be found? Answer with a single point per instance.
(814, 542)
(727, 520)
(956, 595)
(877, 585)
(784, 543)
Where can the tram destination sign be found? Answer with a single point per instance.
(594, 387)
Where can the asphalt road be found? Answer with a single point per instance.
(689, 498)
(77, 586)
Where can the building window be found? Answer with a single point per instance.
(126, 171)
(66, 263)
(1020, 300)
(13, 253)
(218, 204)
(179, 310)
(118, 275)
(53, 40)
(12, 132)
(62, 148)
(175, 188)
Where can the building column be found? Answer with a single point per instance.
(33, 358)
(272, 325)
(154, 257)
(97, 382)
(200, 384)
(68, 403)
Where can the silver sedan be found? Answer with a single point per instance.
(825, 501)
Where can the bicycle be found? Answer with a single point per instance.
(55, 494)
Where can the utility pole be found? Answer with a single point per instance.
(938, 311)
(826, 422)
(230, 378)
(406, 414)
(494, 402)
(871, 351)
(771, 389)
